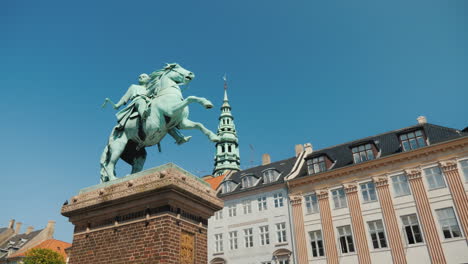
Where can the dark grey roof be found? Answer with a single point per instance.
(387, 143)
(282, 166)
(16, 241)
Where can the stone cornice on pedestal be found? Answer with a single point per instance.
(380, 181)
(146, 183)
(350, 187)
(414, 173)
(448, 165)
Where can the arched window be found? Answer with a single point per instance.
(270, 175)
(228, 186)
(248, 181)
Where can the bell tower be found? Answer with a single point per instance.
(227, 149)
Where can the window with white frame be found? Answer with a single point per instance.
(368, 192)
(247, 205)
(311, 204)
(264, 236)
(400, 185)
(316, 242)
(278, 199)
(316, 165)
(270, 175)
(448, 222)
(377, 234)
(363, 153)
(412, 140)
(248, 181)
(228, 186)
(233, 240)
(248, 237)
(262, 203)
(219, 214)
(434, 177)
(411, 229)
(232, 210)
(339, 198)
(218, 243)
(464, 168)
(281, 232)
(345, 237)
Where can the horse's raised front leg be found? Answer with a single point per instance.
(192, 99)
(189, 124)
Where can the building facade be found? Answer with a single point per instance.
(254, 225)
(398, 197)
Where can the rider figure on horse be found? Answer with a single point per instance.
(140, 98)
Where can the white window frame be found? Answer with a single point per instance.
(262, 203)
(434, 180)
(264, 235)
(232, 209)
(270, 175)
(278, 199)
(317, 165)
(339, 198)
(248, 237)
(311, 203)
(346, 234)
(248, 181)
(363, 153)
(464, 168)
(316, 244)
(218, 243)
(368, 192)
(400, 182)
(377, 229)
(233, 240)
(411, 222)
(247, 206)
(219, 214)
(448, 222)
(281, 232)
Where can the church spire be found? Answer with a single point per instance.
(227, 149)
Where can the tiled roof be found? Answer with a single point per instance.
(216, 181)
(387, 143)
(282, 166)
(18, 241)
(53, 244)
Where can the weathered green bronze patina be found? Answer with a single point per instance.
(157, 108)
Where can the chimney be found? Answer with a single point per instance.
(18, 227)
(422, 120)
(12, 223)
(298, 149)
(29, 230)
(266, 159)
(308, 148)
(50, 228)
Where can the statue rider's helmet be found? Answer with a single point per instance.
(143, 78)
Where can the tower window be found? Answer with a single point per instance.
(229, 148)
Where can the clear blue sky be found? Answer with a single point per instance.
(324, 72)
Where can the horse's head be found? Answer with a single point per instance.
(178, 74)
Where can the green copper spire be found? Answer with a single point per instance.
(227, 149)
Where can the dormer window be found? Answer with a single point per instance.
(248, 181)
(270, 175)
(363, 152)
(317, 164)
(228, 187)
(412, 140)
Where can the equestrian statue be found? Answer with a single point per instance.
(157, 108)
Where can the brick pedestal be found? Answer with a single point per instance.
(155, 216)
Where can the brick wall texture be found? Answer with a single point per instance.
(155, 241)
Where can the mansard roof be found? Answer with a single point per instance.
(16, 242)
(387, 144)
(282, 166)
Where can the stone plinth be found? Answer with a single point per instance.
(155, 216)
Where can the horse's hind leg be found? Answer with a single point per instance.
(139, 161)
(189, 124)
(116, 147)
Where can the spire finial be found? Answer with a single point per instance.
(225, 87)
